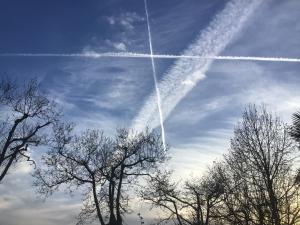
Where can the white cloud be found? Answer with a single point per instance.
(126, 20)
(120, 46)
(111, 20)
(277, 96)
(196, 156)
(20, 205)
(195, 114)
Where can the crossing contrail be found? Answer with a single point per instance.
(161, 120)
(196, 60)
(189, 68)
(155, 56)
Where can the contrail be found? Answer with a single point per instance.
(190, 67)
(187, 71)
(155, 79)
(155, 56)
(233, 58)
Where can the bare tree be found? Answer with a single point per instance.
(25, 113)
(187, 204)
(105, 168)
(254, 185)
(242, 202)
(258, 176)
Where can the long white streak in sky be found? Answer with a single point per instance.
(186, 72)
(156, 56)
(233, 58)
(161, 120)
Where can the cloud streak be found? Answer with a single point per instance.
(186, 72)
(155, 56)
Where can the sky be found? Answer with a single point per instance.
(109, 93)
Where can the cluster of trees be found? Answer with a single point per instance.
(255, 184)
(106, 169)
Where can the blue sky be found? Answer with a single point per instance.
(107, 93)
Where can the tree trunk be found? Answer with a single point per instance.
(112, 217)
(97, 204)
(273, 204)
(207, 212)
(199, 217)
(118, 205)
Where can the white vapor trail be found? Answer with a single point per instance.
(155, 78)
(155, 56)
(186, 72)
